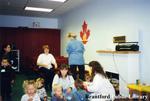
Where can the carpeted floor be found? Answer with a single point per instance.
(17, 90)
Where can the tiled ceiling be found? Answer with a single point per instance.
(16, 7)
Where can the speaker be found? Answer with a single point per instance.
(128, 46)
(119, 39)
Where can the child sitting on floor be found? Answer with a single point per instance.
(65, 79)
(80, 94)
(88, 77)
(40, 89)
(30, 88)
(57, 93)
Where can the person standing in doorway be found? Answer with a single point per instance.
(75, 50)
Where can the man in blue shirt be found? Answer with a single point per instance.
(75, 50)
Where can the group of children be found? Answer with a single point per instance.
(34, 90)
(64, 88)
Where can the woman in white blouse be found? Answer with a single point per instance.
(100, 88)
(47, 63)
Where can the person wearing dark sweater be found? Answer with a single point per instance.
(7, 52)
(7, 78)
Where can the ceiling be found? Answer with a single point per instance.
(16, 7)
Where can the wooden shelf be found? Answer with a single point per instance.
(118, 52)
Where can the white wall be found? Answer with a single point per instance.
(21, 21)
(105, 19)
(145, 56)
